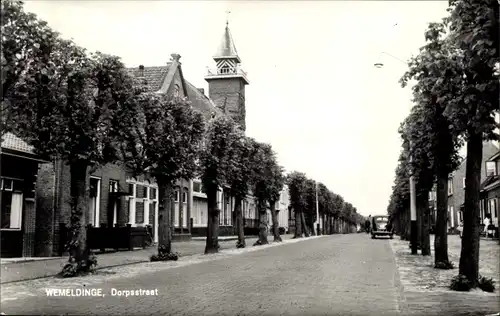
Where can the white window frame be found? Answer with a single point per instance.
(16, 216)
(156, 205)
(95, 221)
(132, 203)
(2, 187)
(113, 188)
(146, 201)
(452, 221)
(494, 169)
(463, 182)
(450, 186)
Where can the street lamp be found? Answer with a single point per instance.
(413, 194)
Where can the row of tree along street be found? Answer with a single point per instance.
(85, 109)
(456, 95)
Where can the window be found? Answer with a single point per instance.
(184, 197)
(463, 182)
(145, 192)
(450, 186)
(7, 184)
(132, 188)
(493, 207)
(12, 204)
(460, 216)
(491, 168)
(176, 90)
(197, 187)
(94, 203)
(152, 193)
(137, 190)
(113, 186)
(176, 196)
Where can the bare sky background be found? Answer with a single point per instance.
(314, 93)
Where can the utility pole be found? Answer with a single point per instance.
(413, 212)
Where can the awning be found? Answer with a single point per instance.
(492, 186)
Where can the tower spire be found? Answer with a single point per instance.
(227, 18)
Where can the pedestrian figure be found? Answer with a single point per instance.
(486, 223)
(461, 228)
(368, 224)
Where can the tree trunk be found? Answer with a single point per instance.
(78, 251)
(181, 206)
(212, 245)
(303, 220)
(441, 231)
(274, 215)
(469, 256)
(423, 209)
(262, 225)
(165, 194)
(240, 230)
(298, 224)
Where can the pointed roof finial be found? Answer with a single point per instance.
(227, 48)
(227, 17)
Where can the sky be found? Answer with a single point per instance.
(314, 92)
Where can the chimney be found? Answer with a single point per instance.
(141, 71)
(201, 90)
(175, 57)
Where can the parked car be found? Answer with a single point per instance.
(380, 226)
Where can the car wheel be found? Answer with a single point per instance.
(373, 236)
(390, 237)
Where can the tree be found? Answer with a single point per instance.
(163, 139)
(399, 204)
(267, 184)
(217, 160)
(338, 203)
(276, 183)
(64, 104)
(239, 179)
(26, 42)
(474, 30)
(434, 142)
(296, 182)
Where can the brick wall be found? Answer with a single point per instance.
(229, 95)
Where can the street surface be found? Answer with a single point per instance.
(330, 275)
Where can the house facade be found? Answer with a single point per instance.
(490, 190)
(19, 167)
(456, 188)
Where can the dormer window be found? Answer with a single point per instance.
(176, 90)
(491, 169)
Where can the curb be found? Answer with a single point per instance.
(402, 303)
(231, 251)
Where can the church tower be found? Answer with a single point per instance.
(226, 83)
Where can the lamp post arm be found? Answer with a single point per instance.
(390, 55)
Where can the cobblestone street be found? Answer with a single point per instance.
(329, 275)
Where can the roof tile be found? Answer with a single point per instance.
(154, 76)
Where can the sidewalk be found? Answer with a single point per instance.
(426, 289)
(49, 267)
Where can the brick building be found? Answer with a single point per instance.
(19, 167)
(490, 190)
(456, 187)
